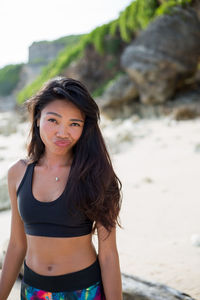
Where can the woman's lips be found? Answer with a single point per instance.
(62, 143)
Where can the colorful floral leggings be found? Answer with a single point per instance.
(93, 292)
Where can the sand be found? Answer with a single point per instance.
(160, 172)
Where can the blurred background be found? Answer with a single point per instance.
(141, 62)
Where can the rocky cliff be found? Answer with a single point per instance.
(154, 66)
(40, 54)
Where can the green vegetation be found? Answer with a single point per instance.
(106, 39)
(97, 37)
(135, 17)
(9, 77)
(168, 6)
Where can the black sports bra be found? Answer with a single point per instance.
(51, 219)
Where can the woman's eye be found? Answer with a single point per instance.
(51, 120)
(76, 123)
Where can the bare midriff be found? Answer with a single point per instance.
(58, 256)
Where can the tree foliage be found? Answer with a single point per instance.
(9, 77)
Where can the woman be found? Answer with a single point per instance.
(62, 193)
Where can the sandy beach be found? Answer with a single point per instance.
(159, 170)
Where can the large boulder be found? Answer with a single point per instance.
(119, 92)
(196, 6)
(164, 55)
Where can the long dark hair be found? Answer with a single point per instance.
(92, 184)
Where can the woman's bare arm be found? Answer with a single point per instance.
(16, 250)
(109, 263)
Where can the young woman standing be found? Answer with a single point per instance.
(62, 193)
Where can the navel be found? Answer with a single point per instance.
(49, 268)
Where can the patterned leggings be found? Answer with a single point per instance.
(85, 284)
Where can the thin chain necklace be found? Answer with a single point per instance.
(57, 178)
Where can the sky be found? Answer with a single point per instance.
(24, 21)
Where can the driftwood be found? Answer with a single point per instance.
(135, 288)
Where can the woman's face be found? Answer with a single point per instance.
(60, 121)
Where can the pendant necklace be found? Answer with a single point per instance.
(57, 178)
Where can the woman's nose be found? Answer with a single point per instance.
(63, 132)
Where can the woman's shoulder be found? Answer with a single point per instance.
(17, 170)
(18, 165)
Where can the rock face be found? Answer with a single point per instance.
(94, 69)
(40, 54)
(119, 92)
(183, 106)
(164, 55)
(43, 52)
(28, 74)
(196, 5)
